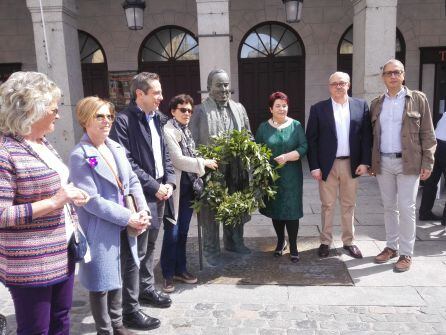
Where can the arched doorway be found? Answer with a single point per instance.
(94, 66)
(271, 58)
(345, 51)
(172, 52)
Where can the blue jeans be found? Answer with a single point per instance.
(173, 252)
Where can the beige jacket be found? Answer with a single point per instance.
(417, 134)
(180, 162)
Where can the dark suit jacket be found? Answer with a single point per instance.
(132, 131)
(322, 138)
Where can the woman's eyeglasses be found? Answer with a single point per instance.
(184, 110)
(102, 117)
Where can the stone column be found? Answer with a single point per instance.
(57, 53)
(374, 34)
(213, 36)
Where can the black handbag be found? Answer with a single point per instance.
(77, 245)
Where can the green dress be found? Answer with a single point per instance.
(287, 204)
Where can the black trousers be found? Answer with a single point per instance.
(136, 280)
(430, 185)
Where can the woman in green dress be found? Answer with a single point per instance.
(286, 139)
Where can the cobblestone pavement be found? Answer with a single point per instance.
(380, 302)
(286, 317)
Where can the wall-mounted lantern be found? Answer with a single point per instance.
(134, 13)
(293, 9)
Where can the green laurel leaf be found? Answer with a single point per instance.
(231, 208)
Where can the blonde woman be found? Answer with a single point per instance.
(36, 220)
(99, 166)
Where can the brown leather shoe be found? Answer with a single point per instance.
(353, 250)
(186, 277)
(386, 255)
(122, 331)
(403, 264)
(168, 285)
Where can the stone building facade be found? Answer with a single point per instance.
(245, 37)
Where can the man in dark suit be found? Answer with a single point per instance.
(339, 150)
(138, 129)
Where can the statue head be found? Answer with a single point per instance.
(218, 86)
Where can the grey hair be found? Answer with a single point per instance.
(211, 76)
(24, 99)
(394, 62)
(340, 74)
(142, 81)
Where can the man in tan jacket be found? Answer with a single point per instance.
(402, 154)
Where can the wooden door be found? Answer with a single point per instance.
(176, 77)
(259, 77)
(95, 79)
(6, 69)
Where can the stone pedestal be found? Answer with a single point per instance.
(214, 38)
(374, 35)
(57, 52)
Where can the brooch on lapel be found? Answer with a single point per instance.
(92, 161)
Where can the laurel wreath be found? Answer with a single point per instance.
(231, 208)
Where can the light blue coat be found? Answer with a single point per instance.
(103, 218)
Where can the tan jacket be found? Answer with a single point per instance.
(179, 161)
(417, 134)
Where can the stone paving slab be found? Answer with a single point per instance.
(428, 231)
(369, 219)
(430, 251)
(422, 273)
(267, 229)
(356, 296)
(363, 233)
(434, 296)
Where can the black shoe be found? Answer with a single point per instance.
(429, 216)
(279, 252)
(140, 320)
(353, 250)
(155, 298)
(324, 251)
(295, 258)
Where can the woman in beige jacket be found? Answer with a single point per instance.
(188, 169)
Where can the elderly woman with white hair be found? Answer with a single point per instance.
(35, 211)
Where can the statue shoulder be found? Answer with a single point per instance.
(237, 107)
(208, 104)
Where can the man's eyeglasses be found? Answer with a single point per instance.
(184, 110)
(102, 117)
(395, 73)
(339, 84)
